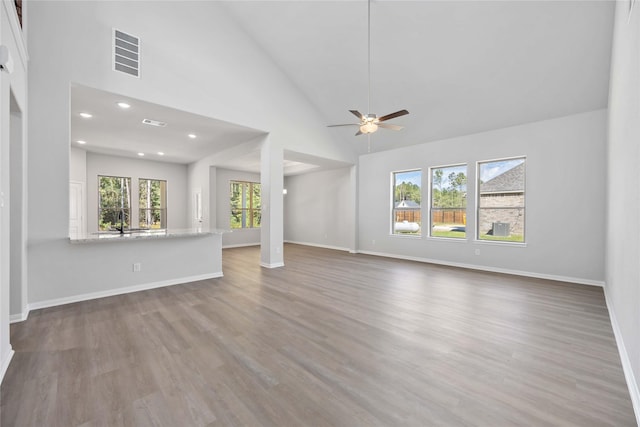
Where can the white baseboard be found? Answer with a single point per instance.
(241, 245)
(568, 279)
(273, 265)
(120, 291)
(5, 364)
(318, 245)
(20, 317)
(629, 376)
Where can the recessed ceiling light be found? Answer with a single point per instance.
(192, 135)
(160, 153)
(141, 154)
(86, 115)
(81, 142)
(123, 105)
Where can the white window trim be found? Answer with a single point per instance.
(429, 197)
(477, 207)
(392, 203)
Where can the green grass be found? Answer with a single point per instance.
(454, 234)
(462, 235)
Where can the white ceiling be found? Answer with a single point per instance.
(459, 67)
(119, 132)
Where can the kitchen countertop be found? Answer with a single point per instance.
(116, 236)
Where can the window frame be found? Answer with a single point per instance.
(430, 205)
(392, 217)
(163, 210)
(127, 211)
(477, 238)
(251, 211)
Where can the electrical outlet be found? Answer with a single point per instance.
(137, 267)
(477, 251)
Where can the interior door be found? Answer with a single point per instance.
(77, 221)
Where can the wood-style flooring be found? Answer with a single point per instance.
(331, 339)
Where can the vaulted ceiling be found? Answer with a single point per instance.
(459, 67)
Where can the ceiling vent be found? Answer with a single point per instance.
(154, 123)
(126, 53)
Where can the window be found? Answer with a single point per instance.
(407, 194)
(114, 202)
(501, 200)
(245, 205)
(449, 201)
(152, 203)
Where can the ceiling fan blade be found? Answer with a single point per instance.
(390, 126)
(359, 133)
(357, 114)
(393, 115)
(348, 124)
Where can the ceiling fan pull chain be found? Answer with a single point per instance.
(369, 56)
(370, 122)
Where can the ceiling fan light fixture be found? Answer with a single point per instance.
(368, 127)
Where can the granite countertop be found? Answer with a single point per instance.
(116, 236)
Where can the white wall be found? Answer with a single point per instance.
(95, 269)
(78, 165)
(14, 84)
(18, 219)
(174, 174)
(237, 237)
(194, 58)
(565, 187)
(317, 208)
(623, 198)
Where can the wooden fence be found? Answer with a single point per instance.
(410, 215)
(448, 216)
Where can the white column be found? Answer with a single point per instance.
(272, 226)
(353, 209)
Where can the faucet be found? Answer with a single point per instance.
(121, 219)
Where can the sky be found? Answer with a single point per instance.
(448, 170)
(413, 177)
(488, 170)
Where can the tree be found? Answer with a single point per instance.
(114, 199)
(407, 191)
(450, 192)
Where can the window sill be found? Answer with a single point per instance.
(407, 236)
(499, 243)
(449, 239)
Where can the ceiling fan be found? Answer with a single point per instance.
(369, 123)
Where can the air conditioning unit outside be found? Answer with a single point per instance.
(501, 229)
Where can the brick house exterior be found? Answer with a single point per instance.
(502, 200)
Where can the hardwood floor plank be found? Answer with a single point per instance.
(331, 339)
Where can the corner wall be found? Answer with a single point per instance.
(318, 208)
(623, 195)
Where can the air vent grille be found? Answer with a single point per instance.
(126, 53)
(154, 123)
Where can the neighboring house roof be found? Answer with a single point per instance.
(407, 204)
(511, 181)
